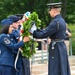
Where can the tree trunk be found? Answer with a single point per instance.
(64, 8)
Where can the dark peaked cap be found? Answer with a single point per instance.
(14, 18)
(54, 5)
(20, 16)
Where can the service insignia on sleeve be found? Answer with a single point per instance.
(6, 40)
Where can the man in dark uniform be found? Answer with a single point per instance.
(16, 37)
(25, 60)
(58, 59)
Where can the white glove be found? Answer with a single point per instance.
(33, 28)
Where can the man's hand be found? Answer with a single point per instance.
(33, 28)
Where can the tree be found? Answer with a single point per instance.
(64, 8)
(70, 14)
(9, 7)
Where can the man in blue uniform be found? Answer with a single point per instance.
(25, 61)
(16, 32)
(58, 59)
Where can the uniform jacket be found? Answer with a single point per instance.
(15, 36)
(7, 49)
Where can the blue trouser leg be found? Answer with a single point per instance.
(19, 72)
(7, 70)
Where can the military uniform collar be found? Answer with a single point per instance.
(57, 16)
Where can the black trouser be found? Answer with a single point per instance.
(26, 66)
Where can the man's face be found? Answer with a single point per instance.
(51, 12)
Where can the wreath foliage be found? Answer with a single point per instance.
(30, 47)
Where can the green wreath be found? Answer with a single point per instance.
(30, 47)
